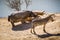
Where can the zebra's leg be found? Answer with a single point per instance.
(33, 29)
(44, 28)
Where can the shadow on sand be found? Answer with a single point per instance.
(47, 34)
(21, 27)
(26, 26)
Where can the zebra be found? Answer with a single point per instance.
(41, 21)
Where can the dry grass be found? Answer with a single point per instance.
(22, 31)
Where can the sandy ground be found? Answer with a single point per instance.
(22, 31)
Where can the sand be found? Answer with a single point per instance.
(22, 31)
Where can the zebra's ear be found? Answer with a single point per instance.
(43, 12)
(53, 15)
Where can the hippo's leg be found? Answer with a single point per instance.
(12, 24)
